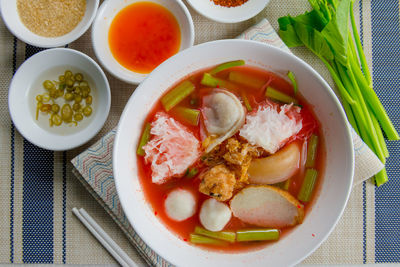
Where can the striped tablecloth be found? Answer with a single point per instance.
(38, 188)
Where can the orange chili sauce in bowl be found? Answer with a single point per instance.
(143, 35)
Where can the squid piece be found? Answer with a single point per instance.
(275, 168)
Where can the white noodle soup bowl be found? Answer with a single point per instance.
(334, 188)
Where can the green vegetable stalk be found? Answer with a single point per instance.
(326, 32)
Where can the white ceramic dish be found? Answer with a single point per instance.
(223, 14)
(102, 23)
(12, 20)
(27, 83)
(334, 191)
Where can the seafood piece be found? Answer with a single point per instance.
(180, 205)
(218, 182)
(277, 167)
(214, 215)
(171, 150)
(223, 115)
(267, 206)
(270, 128)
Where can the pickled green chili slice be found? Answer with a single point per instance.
(226, 65)
(176, 95)
(188, 115)
(257, 235)
(308, 185)
(245, 79)
(292, 78)
(312, 151)
(221, 235)
(279, 96)
(144, 139)
(199, 239)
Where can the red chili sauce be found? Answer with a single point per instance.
(143, 35)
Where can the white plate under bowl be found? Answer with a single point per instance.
(223, 14)
(11, 18)
(101, 25)
(27, 83)
(336, 183)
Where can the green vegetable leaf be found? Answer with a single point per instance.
(336, 32)
(313, 40)
(288, 33)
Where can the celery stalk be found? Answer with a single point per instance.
(376, 105)
(360, 50)
(211, 81)
(312, 151)
(188, 115)
(381, 177)
(222, 235)
(191, 172)
(257, 235)
(286, 184)
(144, 139)
(176, 95)
(246, 102)
(245, 79)
(199, 239)
(293, 80)
(381, 139)
(226, 65)
(307, 186)
(279, 96)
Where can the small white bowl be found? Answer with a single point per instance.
(27, 83)
(11, 18)
(102, 23)
(332, 194)
(223, 14)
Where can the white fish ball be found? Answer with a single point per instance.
(180, 205)
(214, 215)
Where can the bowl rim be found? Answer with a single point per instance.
(159, 69)
(49, 42)
(203, 12)
(84, 139)
(98, 52)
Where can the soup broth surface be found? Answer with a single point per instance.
(156, 194)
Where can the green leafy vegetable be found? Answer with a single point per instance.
(325, 31)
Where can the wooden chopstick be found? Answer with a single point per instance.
(116, 251)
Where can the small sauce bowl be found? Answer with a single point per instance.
(27, 83)
(9, 12)
(100, 31)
